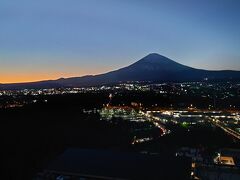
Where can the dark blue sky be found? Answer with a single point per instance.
(60, 38)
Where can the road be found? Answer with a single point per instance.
(226, 129)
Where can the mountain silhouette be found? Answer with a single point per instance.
(153, 67)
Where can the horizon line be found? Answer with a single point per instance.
(36, 80)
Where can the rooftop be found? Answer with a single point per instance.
(103, 164)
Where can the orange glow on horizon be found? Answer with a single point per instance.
(32, 77)
(22, 77)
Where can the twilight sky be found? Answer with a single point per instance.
(49, 39)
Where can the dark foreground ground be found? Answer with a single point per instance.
(33, 135)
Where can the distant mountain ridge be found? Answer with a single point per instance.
(153, 67)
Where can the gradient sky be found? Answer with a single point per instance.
(49, 39)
